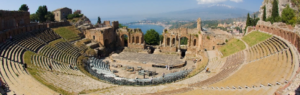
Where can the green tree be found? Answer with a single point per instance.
(254, 20)
(275, 12)
(24, 7)
(41, 13)
(264, 14)
(99, 20)
(161, 38)
(49, 16)
(121, 26)
(33, 18)
(70, 16)
(152, 37)
(248, 22)
(288, 16)
(183, 41)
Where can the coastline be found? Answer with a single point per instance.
(159, 24)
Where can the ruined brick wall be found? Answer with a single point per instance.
(135, 38)
(168, 49)
(106, 23)
(96, 35)
(250, 29)
(13, 19)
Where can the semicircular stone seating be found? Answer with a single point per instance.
(268, 63)
(267, 66)
(12, 73)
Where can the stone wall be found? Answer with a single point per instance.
(135, 38)
(5, 34)
(172, 37)
(13, 19)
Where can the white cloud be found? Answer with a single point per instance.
(216, 1)
(237, 1)
(209, 1)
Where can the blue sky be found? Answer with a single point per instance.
(112, 8)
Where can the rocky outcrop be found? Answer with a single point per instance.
(83, 23)
(281, 5)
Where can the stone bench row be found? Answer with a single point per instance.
(68, 48)
(270, 70)
(45, 35)
(10, 71)
(216, 78)
(265, 48)
(28, 41)
(234, 60)
(12, 52)
(58, 55)
(44, 63)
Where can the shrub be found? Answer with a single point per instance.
(208, 37)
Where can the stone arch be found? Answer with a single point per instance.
(173, 41)
(168, 41)
(195, 42)
(132, 40)
(106, 43)
(183, 40)
(124, 40)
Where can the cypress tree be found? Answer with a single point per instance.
(275, 12)
(264, 14)
(248, 22)
(99, 20)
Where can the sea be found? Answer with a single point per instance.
(145, 27)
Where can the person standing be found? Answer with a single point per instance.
(50, 67)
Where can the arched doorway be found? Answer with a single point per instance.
(132, 40)
(125, 40)
(168, 41)
(183, 46)
(195, 42)
(173, 42)
(106, 43)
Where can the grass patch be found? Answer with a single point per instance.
(52, 44)
(103, 90)
(36, 74)
(70, 33)
(255, 37)
(74, 19)
(233, 46)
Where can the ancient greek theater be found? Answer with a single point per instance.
(62, 53)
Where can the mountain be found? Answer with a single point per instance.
(206, 13)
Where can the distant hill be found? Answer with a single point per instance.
(206, 13)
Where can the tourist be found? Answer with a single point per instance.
(50, 67)
(24, 66)
(75, 67)
(2, 84)
(70, 65)
(10, 37)
(163, 75)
